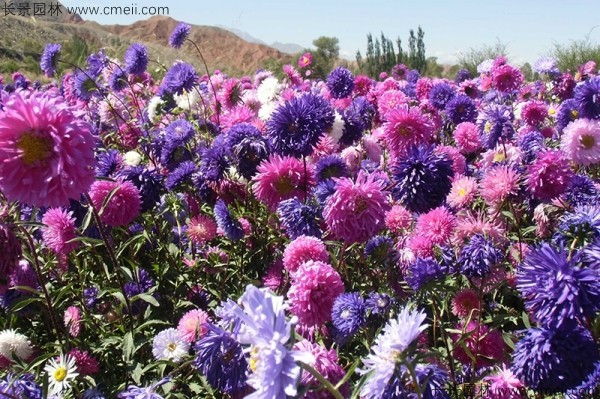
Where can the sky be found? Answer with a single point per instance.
(529, 28)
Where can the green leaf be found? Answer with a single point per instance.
(127, 346)
(147, 298)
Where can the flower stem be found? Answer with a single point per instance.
(326, 384)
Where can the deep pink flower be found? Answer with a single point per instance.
(581, 141)
(326, 362)
(72, 320)
(315, 285)
(465, 302)
(123, 206)
(202, 229)
(485, 344)
(356, 211)
(303, 249)
(452, 153)
(498, 184)
(506, 78)
(463, 192)
(549, 175)
(86, 363)
(192, 325)
(504, 385)
(534, 113)
(280, 178)
(436, 225)
(467, 138)
(406, 127)
(273, 278)
(46, 150)
(59, 229)
(398, 219)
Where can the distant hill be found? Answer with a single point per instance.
(287, 48)
(23, 39)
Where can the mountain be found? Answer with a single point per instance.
(23, 39)
(288, 48)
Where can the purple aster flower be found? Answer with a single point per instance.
(247, 147)
(547, 66)
(567, 113)
(117, 81)
(412, 77)
(203, 189)
(148, 182)
(587, 96)
(432, 380)
(495, 124)
(582, 223)
(275, 373)
(323, 190)
(90, 296)
(564, 86)
(422, 271)
(298, 218)
(354, 118)
(590, 256)
(230, 227)
(478, 256)
(554, 361)
(379, 247)
(215, 161)
(556, 290)
(173, 149)
(181, 175)
(108, 163)
(531, 143)
(440, 94)
(461, 109)
(340, 82)
(582, 191)
(136, 59)
(179, 78)
(93, 393)
(49, 59)
(220, 358)
(422, 179)
(331, 166)
(141, 283)
(96, 62)
(349, 313)
(179, 34)
(378, 304)
(20, 386)
(84, 86)
(135, 392)
(296, 126)
(462, 75)
(399, 71)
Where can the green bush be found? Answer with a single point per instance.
(577, 52)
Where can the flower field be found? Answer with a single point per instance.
(189, 234)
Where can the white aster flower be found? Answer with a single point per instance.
(170, 345)
(154, 106)
(268, 90)
(132, 158)
(13, 343)
(337, 130)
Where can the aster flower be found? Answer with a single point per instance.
(340, 82)
(379, 247)
(378, 304)
(581, 141)
(20, 386)
(465, 302)
(303, 249)
(59, 229)
(170, 345)
(201, 229)
(298, 219)
(478, 256)
(555, 289)
(549, 175)
(498, 184)
(179, 34)
(49, 59)
(14, 344)
(440, 94)
(553, 360)
(567, 113)
(331, 166)
(422, 180)
(247, 147)
(534, 113)
(461, 109)
(546, 65)
(422, 271)
(467, 137)
(436, 225)
(149, 392)
(495, 125)
(462, 193)
(485, 344)
(182, 174)
(192, 325)
(47, 150)
(315, 285)
(136, 59)
(72, 320)
(109, 162)
(582, 191)
(587, 97)
(356, 211)
(506, 78)
(61, 372)
(348, 313)
(280, 178)
(86, 364)
(228, 225)
(389, 348)
(180, 78)
(123, 205)
(147, 181)
(406, 127)
(326, 362)
(296, 126)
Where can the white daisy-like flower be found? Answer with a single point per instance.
(268, 90)
(154, 106)
(188, 100)
(266, 110)
(132, 158)
(61, 372)
(170, 345)
(337, 130)
(13, 343)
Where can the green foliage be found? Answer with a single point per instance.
(324, 56)
(274, 65)
(75, 51)
(577, 52)
(382, 56)
(475, 56)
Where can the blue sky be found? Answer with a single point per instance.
(528, 27)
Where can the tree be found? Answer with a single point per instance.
(326, 53)
(475, 56)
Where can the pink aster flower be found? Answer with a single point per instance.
(280, 178)
(72, 320)
(436, 225)
(549, 175)
(504, 385)
(398, 219)
(326, 362)
(356, 211)
(534, 113)
(273, 278)
(581, 141)
(463, 192)
(46, 150)
(305, 60)
(506, 78)
(315, 285)
(467, 138)
(86, 363)
(202, 229)
(122, 207)
(498, 184)
(458, 160)
(389, 101)
(236, 115)
(465, 302)
(485, 344)
(192, 325)
(406, 127)
(469, 224)
(304, 249)
(59, 229)
(420, 246)
(423, 87)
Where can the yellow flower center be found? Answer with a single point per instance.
(60, 374)
(587, 141)
(462, 192)
(551, 111)
(254, 359)
(499, 157)
(36, 148)
(574, 114)
(172, 346)
(487, 127)
(404, 131)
